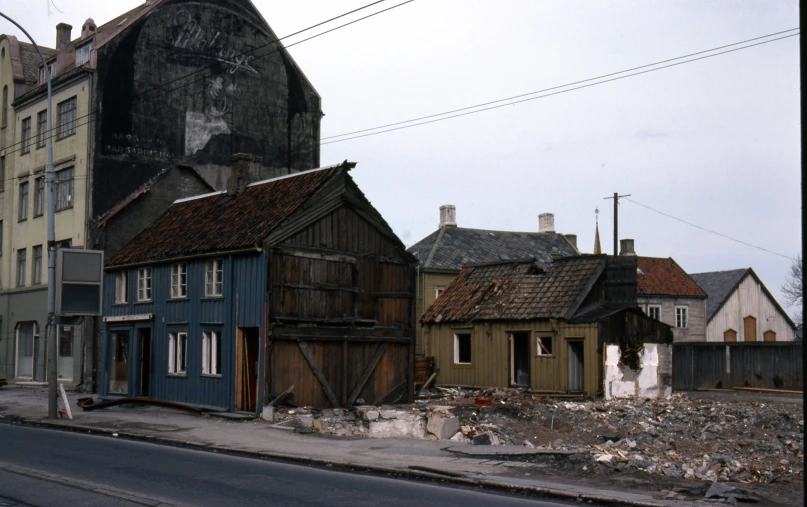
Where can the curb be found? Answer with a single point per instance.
(487, 484)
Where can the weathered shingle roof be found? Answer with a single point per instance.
(516, 290)
(718, 285)
(31, 61)
(664, 277)
(219, 222)
(451, 248)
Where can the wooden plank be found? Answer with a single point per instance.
(321, 286)
(401, 295)
(764, 390)
(392, 396)
(368, 332)
(239, 368)
(366, 375)
(359, 339)
(344, 373)
(318, 373)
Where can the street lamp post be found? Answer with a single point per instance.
(51, 325)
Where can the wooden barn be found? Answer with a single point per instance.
(230, 298)
(549, 328)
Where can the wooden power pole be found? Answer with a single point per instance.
(616, 219)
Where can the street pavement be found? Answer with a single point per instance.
(44, 467)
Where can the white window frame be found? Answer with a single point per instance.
(538, 344)
(457, 347)
(438, 289)
(144, 284)
(179, 280)
(121, 288)
(211, 362)
(214, 278)
(178, 353)
(682, 310)
(650, 309)
(83, 54)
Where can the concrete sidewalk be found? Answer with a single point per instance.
(413, 458)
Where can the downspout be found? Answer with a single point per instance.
(89, 335)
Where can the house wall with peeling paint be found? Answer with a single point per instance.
(650, 380)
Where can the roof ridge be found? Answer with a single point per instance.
(349, 165)
(434, 247)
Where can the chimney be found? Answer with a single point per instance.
(245, 169)
(63, 35)
(626, 247)
(88, 28)
(448, 215)
(546, 222)
(572, 239)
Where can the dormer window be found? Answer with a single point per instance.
(42, 77)
(83, 54)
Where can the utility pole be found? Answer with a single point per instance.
(616, 198)
(50, 329)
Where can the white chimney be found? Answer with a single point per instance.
(546, 222)
(626, 247)
(448, 215)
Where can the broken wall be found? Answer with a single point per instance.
(651, 379)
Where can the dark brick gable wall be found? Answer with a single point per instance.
(258, 103)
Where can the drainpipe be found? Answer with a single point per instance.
(50, 335)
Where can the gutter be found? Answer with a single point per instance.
(254, 249)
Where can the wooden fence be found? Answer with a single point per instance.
(743, 364)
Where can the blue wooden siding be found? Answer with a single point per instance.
(244, 292)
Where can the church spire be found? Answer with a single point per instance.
(597, 248)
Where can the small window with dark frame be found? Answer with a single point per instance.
(36, 266)
(654, 312)
(39, 196)
(179, 280)
(2, 173)
(462, 348)
(22, 254)
(23, 211)
(63, 187)
(41, 128)
(544, 346)
(26, 136)
(66, 119)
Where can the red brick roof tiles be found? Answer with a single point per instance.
(664, 277)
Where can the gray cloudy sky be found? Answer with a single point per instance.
(715, 142)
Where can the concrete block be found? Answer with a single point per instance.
(394, 428)
(443, 427)
(371, 415)
(268, 414)
(305, 420)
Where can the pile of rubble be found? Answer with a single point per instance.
(681, 438)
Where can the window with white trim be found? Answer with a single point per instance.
(66, 119)
(63, 187)
(179, 280)
(681, 317)
(121, 296)
(462, 348)
(211, 353)
(144, 284)
(83, 54)
(654, 312)
(438, 289)
(177, 353)
(214, 278)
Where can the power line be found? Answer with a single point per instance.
(541, 91)
(708, 230)
(131, 100)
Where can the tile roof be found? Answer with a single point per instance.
(451, 248)
(516, 290)
(31, 62)
(718, 285)
(220, 222)
(664, 277)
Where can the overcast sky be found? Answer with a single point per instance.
(715, 142)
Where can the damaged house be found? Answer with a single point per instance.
(572, 326)
(229, 298)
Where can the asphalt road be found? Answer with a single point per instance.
(40, 467)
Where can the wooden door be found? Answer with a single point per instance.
(769, 336)
(246, 369)
(730, 335)
(576, 375)
(750, 329)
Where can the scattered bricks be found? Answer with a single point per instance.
(443, 427)
(371, 415)
(305, 420)
(396, 428)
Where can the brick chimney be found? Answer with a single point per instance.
(572, 239)
(88, 28)
(63, 35)
(448, 215)
(626, 247)
(245, 169)
(546, 222)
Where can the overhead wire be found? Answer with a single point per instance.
(513, 102)
(131, 100)
(706, 230)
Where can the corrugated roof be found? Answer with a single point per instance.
(220, 222)
(718, 285)
(517, 290)
(664, 277)
(452, 248)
